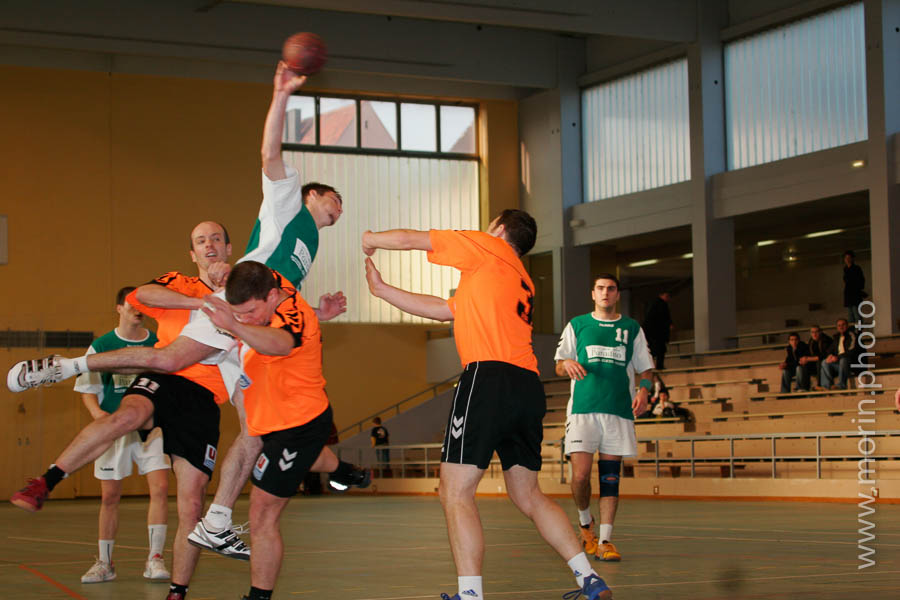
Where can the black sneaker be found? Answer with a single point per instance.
(357, 477)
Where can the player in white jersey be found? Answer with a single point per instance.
(601, 352)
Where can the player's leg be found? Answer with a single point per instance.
(191, 488)
(582, 463)
(265, 535)
(135, 412)
(608, 468)
(103, 569)
(157, 524)
(553, 525)
(457, 493)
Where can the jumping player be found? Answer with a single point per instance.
(499, 403)
(601, 352)
(102, 395)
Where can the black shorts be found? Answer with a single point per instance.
(287, 455)
(497, 407)
(186, 412)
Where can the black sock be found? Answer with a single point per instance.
(258, 594)
(53, 476)
(174, 588)
(343, 469)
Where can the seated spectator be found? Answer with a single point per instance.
(819, 343)
(792, 366)
(667, 409)
(658, 386)
(841, 354)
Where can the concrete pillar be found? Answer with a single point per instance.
(882, 18)
(712, 239)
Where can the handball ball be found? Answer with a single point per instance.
(304, 53)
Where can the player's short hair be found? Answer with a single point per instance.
(319, 188)
(377, 420)
(794, 334)
(224, 231)
(249, 280)
(850, 253)
(520, 228)
(609, 276)
(120, 295)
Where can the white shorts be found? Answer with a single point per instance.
(600, 432)
(115, 463)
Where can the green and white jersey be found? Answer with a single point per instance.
(285, 236)
(110, 387)
(611, 352)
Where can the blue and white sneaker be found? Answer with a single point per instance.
(446, 597)
(594, 588)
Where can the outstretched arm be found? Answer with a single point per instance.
(159, 296)
(396, 239)
(330, 306)
(421, 305)
(286, 83)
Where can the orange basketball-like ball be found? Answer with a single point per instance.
(305, 53)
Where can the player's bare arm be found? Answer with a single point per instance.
(286, 83)
(92, 403)
(159, 296)
(571, 369)
(263, 339)
(330, 306)
(395, 239)
(639, 404)
(421, 305)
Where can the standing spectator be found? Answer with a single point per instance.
(792, 366)
(819, 343)
(854, 282)
(841, 354)
(657, 327)
(380, 437)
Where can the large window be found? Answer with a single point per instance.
(796, 89)
(635, 132)
(386, 192)
(381, 126)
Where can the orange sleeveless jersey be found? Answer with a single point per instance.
(171, 322)
(494, 301)
(286, 391)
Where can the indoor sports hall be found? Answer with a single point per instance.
(732, 166)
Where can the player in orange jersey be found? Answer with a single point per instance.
(284, 399)
(499, 403)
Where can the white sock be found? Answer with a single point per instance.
(605, 532)
(157, 539)
(470, 587)
(581, 567)
(217, 518)
(106, 548)
(584, 517)
(73, 366)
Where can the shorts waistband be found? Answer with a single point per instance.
(493, 364)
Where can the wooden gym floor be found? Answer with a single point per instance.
(360, 547)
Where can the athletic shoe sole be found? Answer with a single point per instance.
(194, 541)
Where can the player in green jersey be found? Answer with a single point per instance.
(102, 393)
(601, 352)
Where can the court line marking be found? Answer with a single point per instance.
(645, 585)
(53, 582)
(74, 543)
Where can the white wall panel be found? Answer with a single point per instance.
(386, 192)
(635, 132)
(796, 89)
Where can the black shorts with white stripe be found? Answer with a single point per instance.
(287, 456)
(498, 407)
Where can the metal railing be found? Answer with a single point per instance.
(434, 390)
(423, 460)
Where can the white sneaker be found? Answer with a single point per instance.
(27, 374)
(225, 542)
(100, 572)
(155, 569)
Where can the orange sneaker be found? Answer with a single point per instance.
(589, 541)
(608, 553)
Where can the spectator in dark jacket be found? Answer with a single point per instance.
(854, 282)
(792, 367)
(819, 343)
(657, 327)
(842, 353)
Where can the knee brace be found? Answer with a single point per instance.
(608, 470)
